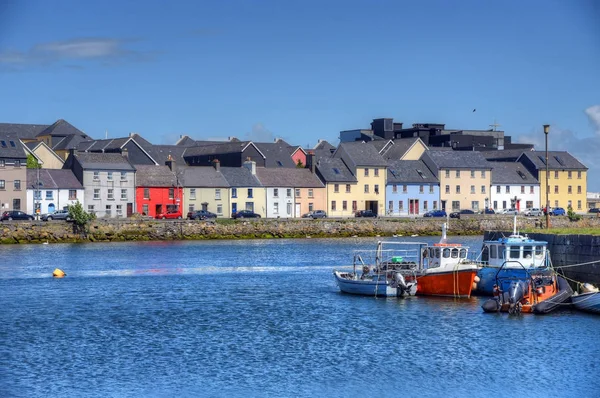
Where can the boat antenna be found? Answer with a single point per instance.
(444, 228)
(515, 225)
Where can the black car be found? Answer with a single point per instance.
(457, 214)
(435, 213)
(365, 213)
(200, 215)
(245, 214)
(488, 211)
(594, 210)
(15, 215)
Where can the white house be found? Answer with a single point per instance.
(49, 190)
(513, 186)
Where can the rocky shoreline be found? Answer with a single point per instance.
(115, 230)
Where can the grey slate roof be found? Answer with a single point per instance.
(288, 177)
(506, 155)
(102, 145)
(323, 145)
(357, 154)
(23, 131)
(458, 159)
(511, 173)
(240, 177)
(216, 149)
(154, 176)
(409, 171)
(276, 154)
(399, 148)
(62, 128)
(202, 176)
(52, 179)
(12, 147)
(69, 142)
(557, 160)
(103, 161)
(160, 153)
(334, 170)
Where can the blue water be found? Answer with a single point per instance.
(263, 318)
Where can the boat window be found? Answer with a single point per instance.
(437, 253)
(455, 253)
(527, 251)
(485, 254)
(446, 253)
(515, 252)
(431, 252)
(463, 253)
(493, 251)
(425, 253)
(539, 251)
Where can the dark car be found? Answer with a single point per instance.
(171, 214)
(200, 215)
(594, 210)
(57, 215)
(15, 215)
(315, 214)
(457, 214)
(488, 211)
(435, 213)
(245, 214)
(365, 213)
(558, 211)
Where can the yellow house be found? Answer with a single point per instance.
(205, 188)
(465, 178)
(245, 190)
(403, 149)
(567, 178)
(47, 158)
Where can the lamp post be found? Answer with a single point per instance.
(546, 131)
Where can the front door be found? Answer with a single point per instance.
(413, 206)
(298, 210)
(233, 208)
(129, 209)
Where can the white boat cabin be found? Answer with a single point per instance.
(516, 251)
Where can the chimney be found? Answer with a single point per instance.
(310, 161)
(250, 165)
(72, 151)
(125, 153)
(170, 163)
(217, 164)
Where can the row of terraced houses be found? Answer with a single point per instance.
(391, 170)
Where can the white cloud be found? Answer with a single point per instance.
(260, 133)
(593, 113)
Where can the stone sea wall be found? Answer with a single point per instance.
(113, 230)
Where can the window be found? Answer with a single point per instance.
(425, 205)
(91, 209)
(233, 193)
(366, 172)
(529, 204)
(146, 193)
(515, 251)
(435, 207)
(508, 189)
(498, 189)
(431, 188)
(569, 190)
(579, 205)
(333, 205)
(311, 206)
(16, 204)
(345, 205)
(458, 189)
(17, 165)
(336, 188)
(522, 189)
(123, 176)
(569, 175)
(310, 192)
(347, 188)
(475, 205)
(482, 173)
(145, 209)
(390, 206)
(275, 208)
(111, 194)
(72, 194)
(495, 205)
(109, 175)
(447, 188)
(366, 188)
(556, 189)
(578, 173)
(401, 205)
(249, 192)
(569, 204)
(2, 164)
(472, 188)
(119, 210)
(531, 189)
(288, 192)
(447, 173)
(556, 174)
(171, 193)
(472, 173)
(578, 188)
(483, 189)
(455, 205)
(96, 193)
(376, 187)
(457, 173)
(504, 204)
(275, 192)
(37, 195)
(108, 210)
(123, 195)
(421, 189)
(404, 188)
(556, 203)
(17, 184)
(49, 195)
(219, 209)
(250, 206)
(297, 192)
(96, 176)
(394, 188)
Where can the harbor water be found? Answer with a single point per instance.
(264, 318)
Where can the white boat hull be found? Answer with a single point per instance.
(371, 286)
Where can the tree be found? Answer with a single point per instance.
(572, 215)
(32, 162)
(299, 164)
(80, 217)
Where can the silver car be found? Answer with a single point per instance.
(57, 215)
(535, 212)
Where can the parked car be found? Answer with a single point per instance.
(488, 211)
(534, 212)
(365, 213)
(435, 213)
(245, 214)
(457, 214)
(558, 211)
(594, 210)
(200, 215)
(15, 215)
(315, 214)
(57, 215)
(170, 215)
(511, 211)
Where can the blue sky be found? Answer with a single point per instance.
(304, 70)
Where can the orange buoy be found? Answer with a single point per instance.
(59, 273)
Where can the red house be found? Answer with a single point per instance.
(298, 154)
(156, 190)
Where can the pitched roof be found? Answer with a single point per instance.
(276, 154)
(323, 145)
(154, 176)
(52, 178)
(110, 144)
(240, 177)
(510, 155)
(62, 128)
(458, 159)
(409, 171)
(160, 153)
(217, 149)
(11, 146)
(202, 176)
(399, 148)
(557, 160)
(23, 131)
(287, 177)
(357, 154)
(185, 140)
(104, 161)
(511, 173)
(69, 142)
(334, 170)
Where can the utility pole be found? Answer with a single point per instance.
(546, 131)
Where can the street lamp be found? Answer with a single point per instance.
(546, 131)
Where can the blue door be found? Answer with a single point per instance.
(51, 208)
(233, 208)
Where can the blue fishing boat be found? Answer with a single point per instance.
(588, 300)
